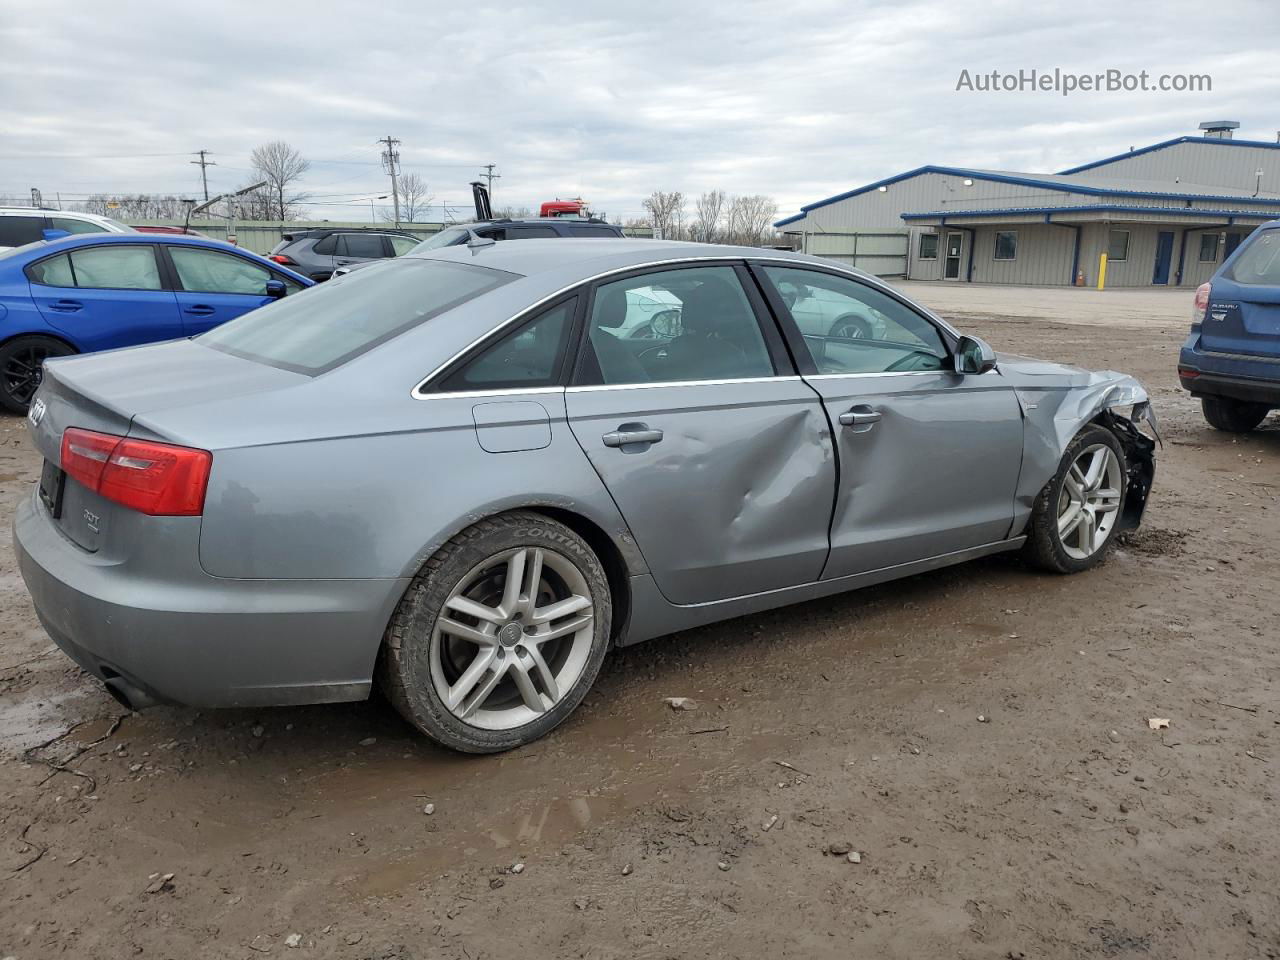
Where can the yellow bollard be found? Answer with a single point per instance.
(1102, 271)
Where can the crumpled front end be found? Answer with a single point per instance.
(1057, 402)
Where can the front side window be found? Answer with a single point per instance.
(336, 322)
(1006, 245)
(208, 271)
(76, 226)
(853, 328)
(675, 325)
(1259, 261)
(367, 246)
(928, 246)
(1118, 246)
(402, 245)
(117, 267)
(531, 356)
(1208, 247)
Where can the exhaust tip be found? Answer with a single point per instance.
(127, 695)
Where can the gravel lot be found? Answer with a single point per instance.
(978, 735)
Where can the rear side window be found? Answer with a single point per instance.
(531, 356)
(326, 246)
(76, 226)
(336, 322)
(592, 231)
(15, 231)
(366, 245)
(118, 267)
(530, 232)
(1259, 261)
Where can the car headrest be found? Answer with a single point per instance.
(712, 307)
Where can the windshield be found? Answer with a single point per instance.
(325, 326)
(1259, 262)
(445, 238)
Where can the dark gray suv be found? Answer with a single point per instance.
(317, 253)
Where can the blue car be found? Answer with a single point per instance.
(1231, 360)
(99, 291)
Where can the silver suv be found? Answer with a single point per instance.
(317, 253)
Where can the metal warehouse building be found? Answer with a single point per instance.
(1165, 214)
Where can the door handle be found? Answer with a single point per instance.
(860, 417)
(67, 306)
(199, 310)
(630, 433)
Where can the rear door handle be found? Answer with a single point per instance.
(199, 310)
(860, 417)
(630, 433)
(67, 306)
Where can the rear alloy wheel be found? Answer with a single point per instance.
(500, 637)
(1233, 416)
(851, 328)
(22, 368)
(1076, 515)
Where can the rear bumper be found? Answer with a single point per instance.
(1237, 376)
(185, 637)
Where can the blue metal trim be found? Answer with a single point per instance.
(784, 222)
(1040, 184)
(1092, 208)
(1169, 143)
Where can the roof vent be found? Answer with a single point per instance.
(1219, 129)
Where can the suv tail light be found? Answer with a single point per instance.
(1202, 302)
(159, 479)
(283, 260)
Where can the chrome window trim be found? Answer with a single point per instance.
(494, 392)
(885, 373)
(418, 391)
(596, 387)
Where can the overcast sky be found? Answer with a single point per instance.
(797, 99)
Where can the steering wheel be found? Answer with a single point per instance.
(652, 353)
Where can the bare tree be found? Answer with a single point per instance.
(415, 198)
(280, 165)
(708, 211)
(140, 206)
(666, 210)
(750, 219)
(513, 213)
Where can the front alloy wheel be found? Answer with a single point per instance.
(500, 636)
(1076, 516)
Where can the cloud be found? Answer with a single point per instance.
(797, 100)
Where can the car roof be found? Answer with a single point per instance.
(47, 212)
(530, 257)
(317, 232)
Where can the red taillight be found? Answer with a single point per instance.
(1202, 302)
(159, 479)
(280, 258)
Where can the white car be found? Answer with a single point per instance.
(21, 225)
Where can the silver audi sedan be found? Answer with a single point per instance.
(452, 475)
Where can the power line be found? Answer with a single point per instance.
(490, 176)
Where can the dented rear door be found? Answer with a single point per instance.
(727, 486)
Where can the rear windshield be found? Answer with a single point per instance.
(327, 325)
(1259, 261)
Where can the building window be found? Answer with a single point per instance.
(1006, 245)
(1118, 246)
(928, 246)
(1208, 248)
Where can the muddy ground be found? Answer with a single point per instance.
(979, 735)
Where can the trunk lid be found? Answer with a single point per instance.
(104, 392)
(1242, 318)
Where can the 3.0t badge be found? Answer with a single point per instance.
(36, 413)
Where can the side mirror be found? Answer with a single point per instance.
(50, 234)
(276, 289)
(974, 356)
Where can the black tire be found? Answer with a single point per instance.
(851, 328)
(21, 362)
(1233, 416)
(405, 660)
(1044, 547)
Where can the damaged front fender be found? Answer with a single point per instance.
(1057, 402)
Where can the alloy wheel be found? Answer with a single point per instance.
(1090, 501)
(23, 371)
(513, 638)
